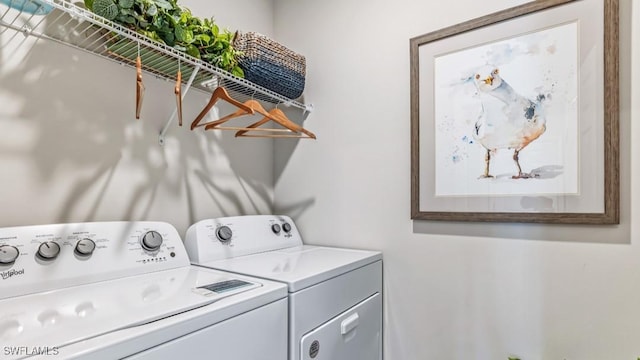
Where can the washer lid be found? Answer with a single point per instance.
(300, 266)
(61, 317)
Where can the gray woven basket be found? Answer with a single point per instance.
(271, 64)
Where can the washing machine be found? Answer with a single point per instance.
(335, 301)
(126, 290)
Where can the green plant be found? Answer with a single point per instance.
(167, 22)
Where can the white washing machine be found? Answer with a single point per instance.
(115, 290)
(335, 301)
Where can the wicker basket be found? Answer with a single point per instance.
(271, 65)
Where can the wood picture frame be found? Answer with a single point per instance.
(537, 139)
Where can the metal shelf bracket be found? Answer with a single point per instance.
(161, 138)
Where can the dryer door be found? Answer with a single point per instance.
(353, 335)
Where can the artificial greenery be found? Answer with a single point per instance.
(165, 21)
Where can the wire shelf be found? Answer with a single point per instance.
(71, 25)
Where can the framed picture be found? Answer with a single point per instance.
(514, 116)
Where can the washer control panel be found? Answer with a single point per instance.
(44, 257)
(229, 237)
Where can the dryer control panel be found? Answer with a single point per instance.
(45, 257)
(229, 237)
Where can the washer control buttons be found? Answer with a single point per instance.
(8, 254)
(48, 250)
(85, 247)
(286, 227)
(151, 241)
(275, 228)
(224, 234)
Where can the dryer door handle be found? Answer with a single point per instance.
(349, 323)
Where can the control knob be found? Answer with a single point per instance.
(48, 250)
(224, 234)
(151, 241)
(8, 254)
(85, 247)
(286, 227)
(275, 228)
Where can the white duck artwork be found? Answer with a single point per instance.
(507, 120)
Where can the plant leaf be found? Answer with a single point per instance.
(152, 10)
(180, 34)
(237, 71)
(127, 19)
(88, 4)
(203, 38)
(193, 51)
(169, 38)
(163, 4)
(105, 8)
(126, 4)
(188, 36)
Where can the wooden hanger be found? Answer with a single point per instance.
(178, 91)
(219, 93)
(139, 87)
(280, 118)
(253, 104)
(275, 115)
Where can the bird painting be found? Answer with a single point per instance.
(507, 120)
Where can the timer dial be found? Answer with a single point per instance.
(48, 250)
(224, 234)
(8, 254)
(151, 241)
(85, 247)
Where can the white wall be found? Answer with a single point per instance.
(452, 291)
(71, 149)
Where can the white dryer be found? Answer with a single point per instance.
(115, 290)
(335, 302)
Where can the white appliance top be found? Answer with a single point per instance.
(261, 246)
(62, 317)
(65, 283)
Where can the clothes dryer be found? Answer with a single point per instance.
(335, 294)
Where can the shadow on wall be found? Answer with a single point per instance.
(64, 135)
(79, 111)
(284, 149)
(281, 154)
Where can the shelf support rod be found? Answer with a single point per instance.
(308, 109)
(175, 110)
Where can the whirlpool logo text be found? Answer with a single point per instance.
(9, 273)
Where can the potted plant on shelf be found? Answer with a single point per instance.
(167, 22)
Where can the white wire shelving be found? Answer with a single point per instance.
(79, 28)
